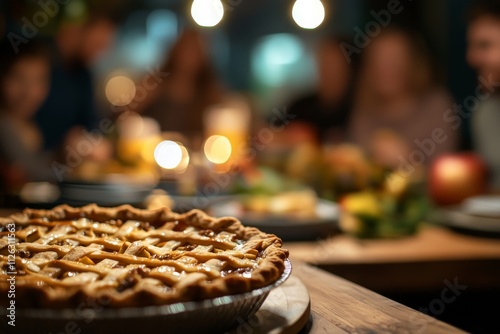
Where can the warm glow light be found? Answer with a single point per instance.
(132, 125)
(169, 154)
(308, 14)
(217, 149)
(207, 13)
(120, 90)
(183, 165)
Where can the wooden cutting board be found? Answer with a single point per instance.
(286, 310)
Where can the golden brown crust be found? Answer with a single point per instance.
(133, 257)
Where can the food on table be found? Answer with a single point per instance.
(299, 203)
(304, 163)
(263, 181)
(364, 203)
(455, 177)
(265, 191)
(348, 168)
(393, 211)
(72, 257)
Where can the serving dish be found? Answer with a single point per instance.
(477, 215)
(107, 194)
(95, 269)
(208, 316)
(288, 227)
(458, 218)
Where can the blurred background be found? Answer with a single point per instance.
(338, 120)
(155, 58)
(257, 46)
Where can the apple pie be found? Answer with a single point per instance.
(124, 257)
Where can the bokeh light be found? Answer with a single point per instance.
(131, 125)
(207, 13)
(184, 163)
(281, 59)
(120, 90)
(308, 14)
(162, 25)
(217, 149)
(169, 154)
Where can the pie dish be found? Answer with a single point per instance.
(217, 315)
(126, 257)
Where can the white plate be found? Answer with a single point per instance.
(458, 217)
(486, 205)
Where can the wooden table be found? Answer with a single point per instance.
(415, 271)
(417, 263)
(339, 306)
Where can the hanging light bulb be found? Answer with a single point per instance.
(308, 14)
(207, 13)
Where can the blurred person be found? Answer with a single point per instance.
(69, 109)
(483, 54)
(398, 115)
(180, 100)
(324, 114)
(24, 85)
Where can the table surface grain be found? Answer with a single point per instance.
(432, 243)
(415, 264)
(339, 306)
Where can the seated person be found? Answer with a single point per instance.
(24, 86)
(483, 54)
(180, 101)
(399, 111)
(70, 104)
(325, 112)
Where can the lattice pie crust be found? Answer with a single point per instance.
(124, 257)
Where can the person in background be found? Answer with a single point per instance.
(69, 108)
(179, 102)
(24, 85)
(483, 54)
(326, 111)
(398, 114)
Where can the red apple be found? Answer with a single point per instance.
(455, 177)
